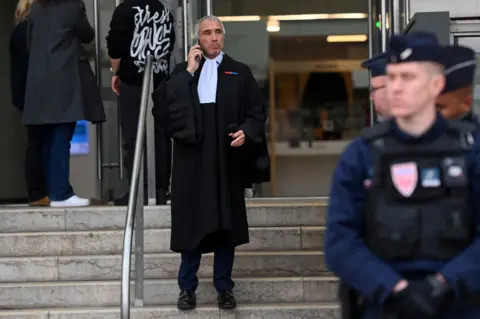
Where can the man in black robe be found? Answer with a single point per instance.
(212, 108)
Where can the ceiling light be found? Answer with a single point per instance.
(273, 25)
(347, 38)
(348, 16)
(239, 18)
(322, 16)
(296, 17)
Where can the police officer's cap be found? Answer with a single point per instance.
(377, 64)
(417, 46)
(460, 64)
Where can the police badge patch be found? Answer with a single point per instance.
(430, 177)
(404, 177)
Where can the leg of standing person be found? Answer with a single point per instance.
(34, 166)
(163, 165)
(129, 103)
(61, 192)
(47, 151)
(222, 275)
(129, 100)
(188, 280)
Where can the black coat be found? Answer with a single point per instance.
(61, 86)
(195, 213)
(18, 63)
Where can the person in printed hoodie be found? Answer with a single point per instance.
(140, 28)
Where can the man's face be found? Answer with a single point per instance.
(211, 38)
(378, 95)
(411, 86)
(454, 104)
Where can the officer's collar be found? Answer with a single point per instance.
(468, 117)
(431, 134)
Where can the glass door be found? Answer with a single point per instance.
(105, 139)
(104, 162)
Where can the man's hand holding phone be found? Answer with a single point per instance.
(194, 57)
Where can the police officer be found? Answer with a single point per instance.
(378, 83)
(403, 211)
(457, 98)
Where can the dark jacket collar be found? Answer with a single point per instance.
(431, 134)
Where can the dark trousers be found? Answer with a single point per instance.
(34, 165)
(129, 100)
(222, 269)
(53, 141)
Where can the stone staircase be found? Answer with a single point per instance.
(57, 263)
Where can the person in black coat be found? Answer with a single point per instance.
(19, 56)
(213, 109)
(61, 88)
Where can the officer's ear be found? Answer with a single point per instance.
(468, 96)
(437, 76)
(468, 102)
(438, 83)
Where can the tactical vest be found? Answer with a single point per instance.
(418, 205)
(472, 118)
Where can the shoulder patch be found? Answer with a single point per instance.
(464, 130)
(457, 125)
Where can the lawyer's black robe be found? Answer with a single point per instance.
(208, 203)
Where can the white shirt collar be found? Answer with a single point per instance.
(207, 84)
(218, 58)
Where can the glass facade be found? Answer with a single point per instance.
(309, 68)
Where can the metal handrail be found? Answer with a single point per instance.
(407, 12)
(135, 206)
(370, 54)
(383, 24)
(98, 73)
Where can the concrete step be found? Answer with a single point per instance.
(157, 266)
(266, 311)
(165, 292)
(28, 219)
(156, 241)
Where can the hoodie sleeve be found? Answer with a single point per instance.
(120, 33)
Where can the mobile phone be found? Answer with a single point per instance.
(198, 58)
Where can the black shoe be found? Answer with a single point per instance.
(187, 300)
(162, 197)
(226, 300)
(121, 201)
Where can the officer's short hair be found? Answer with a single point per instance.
(433, 68)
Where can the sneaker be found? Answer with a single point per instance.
(168, 197)
(248, 193)
(73, 201)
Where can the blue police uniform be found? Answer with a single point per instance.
(377, 64)
(460, 63)
(347, 251)
(460, 66)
